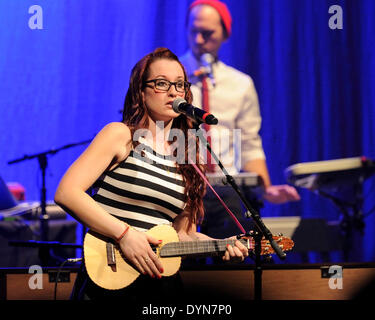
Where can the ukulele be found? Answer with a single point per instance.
(109, 269)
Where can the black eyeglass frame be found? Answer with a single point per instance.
(187, 85)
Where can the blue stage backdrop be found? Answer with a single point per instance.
(64, 72)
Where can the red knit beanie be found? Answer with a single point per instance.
(221, 8)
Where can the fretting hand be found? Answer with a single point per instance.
(238, 252)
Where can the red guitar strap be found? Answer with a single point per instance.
(221, 201)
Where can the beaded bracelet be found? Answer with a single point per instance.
(122, 234)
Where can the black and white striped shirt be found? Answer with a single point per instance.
(144, 190)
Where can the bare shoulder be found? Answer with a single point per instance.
(115, 133)
(117, 130)
(115, 138)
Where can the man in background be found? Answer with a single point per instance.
(231, 96)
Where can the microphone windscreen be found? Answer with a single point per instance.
(176, 104)
(207, 59)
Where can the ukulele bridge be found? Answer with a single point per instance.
(111, 257)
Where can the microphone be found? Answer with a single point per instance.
(198, 115)
(207, 59)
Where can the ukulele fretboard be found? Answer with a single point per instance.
(186, 248)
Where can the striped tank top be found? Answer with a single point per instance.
(144, 190)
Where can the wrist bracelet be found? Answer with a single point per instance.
(123, 233)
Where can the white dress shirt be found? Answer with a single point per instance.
(234, 102)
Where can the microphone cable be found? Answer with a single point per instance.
(70, 260)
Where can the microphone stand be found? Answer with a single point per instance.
(44, 217)
(260, 229)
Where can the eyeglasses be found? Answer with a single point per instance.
(165, 85)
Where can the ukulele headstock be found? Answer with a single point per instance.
(285, 243)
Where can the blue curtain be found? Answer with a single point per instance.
(62, 83)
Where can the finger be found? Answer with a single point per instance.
(281, 196)
(233, 253)
(146, 264)
(290, 193)
(230, 250)
(271, 192)
(240, 251)
(154, 265)
(242, 248)
(238, 254)
(138, 264)
(157, 263)
(294, 194)
(226, 256)
(153, 240)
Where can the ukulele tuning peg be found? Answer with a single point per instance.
(268, 258)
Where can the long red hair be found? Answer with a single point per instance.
(136, 116)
